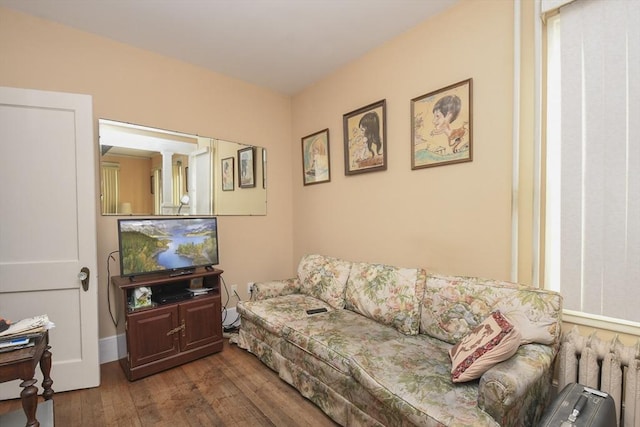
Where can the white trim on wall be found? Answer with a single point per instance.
(515, 174)
(551, 5)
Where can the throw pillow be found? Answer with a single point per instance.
(387, 294)
(491, 342)
(325, 278)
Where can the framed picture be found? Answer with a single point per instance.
(441, 126)
(365, 139)
(227, 174)
(315, 158)
(246, 168)
(264, 168)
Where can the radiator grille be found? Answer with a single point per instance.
(609, 366)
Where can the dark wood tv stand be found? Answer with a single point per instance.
(164, 335)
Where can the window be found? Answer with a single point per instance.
(592, 222)
(110, 195)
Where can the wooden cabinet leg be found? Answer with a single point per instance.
(45, 367)
(29, 396)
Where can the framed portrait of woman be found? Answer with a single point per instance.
(441, 126)
(365, 139)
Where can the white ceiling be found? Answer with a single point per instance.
(284, 45)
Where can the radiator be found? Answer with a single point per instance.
(609, 366)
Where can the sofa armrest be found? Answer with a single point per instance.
(515, 391)
(274, 288)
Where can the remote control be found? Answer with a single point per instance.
(316, 310)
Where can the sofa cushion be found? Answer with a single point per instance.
(489, 343)
(335, 336)
(453, 305)
(273, 313)
(275, 288)
(410, 376)
(324, 278)
(389, 295)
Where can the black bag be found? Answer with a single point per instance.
(579, 406)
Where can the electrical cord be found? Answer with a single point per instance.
(224, 306)
(110, 257)
(231, 326)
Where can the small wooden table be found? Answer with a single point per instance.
(21, 364)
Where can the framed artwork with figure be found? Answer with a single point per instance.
(227, 174)
(365, 139)
(246, 167)
(441, 126)
(315, 158)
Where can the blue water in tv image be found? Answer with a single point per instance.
(151, 245)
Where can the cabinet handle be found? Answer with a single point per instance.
(184, 328)
(178, 329)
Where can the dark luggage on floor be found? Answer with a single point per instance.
(578, 406)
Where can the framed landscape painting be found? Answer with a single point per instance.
(441, 126)
(315, 158)
(365, 139)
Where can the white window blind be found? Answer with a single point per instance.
(593, 158)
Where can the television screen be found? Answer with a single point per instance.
(167, 244)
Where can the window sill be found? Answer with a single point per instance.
(601, 322)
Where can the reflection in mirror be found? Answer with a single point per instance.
(148, 171)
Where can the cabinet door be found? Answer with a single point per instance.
(153, 335)
(202, 321)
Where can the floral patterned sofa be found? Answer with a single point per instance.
(380, 355)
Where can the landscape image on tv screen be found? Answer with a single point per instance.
(151, 245)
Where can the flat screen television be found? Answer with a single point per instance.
(173, 245)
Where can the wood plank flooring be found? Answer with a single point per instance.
(230, 388)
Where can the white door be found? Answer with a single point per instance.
(48, 227)
(200, 182)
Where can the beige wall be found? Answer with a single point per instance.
(451, 219)
(135, 86)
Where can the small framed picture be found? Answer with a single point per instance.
(227, 174)
(264, 168)
(441, 126)
(315, 158)
(246, 167)
(365, 139)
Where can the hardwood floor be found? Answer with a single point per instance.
(230, 388)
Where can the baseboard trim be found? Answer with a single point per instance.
(109, 348)
(109, 345)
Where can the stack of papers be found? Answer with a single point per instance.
(21, 334)
(16, 344)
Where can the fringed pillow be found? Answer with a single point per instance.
(491, 342)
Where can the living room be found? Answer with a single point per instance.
(454, 219)
(377, 216)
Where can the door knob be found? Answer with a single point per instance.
(84, 278)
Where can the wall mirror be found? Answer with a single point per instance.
(148, 171)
